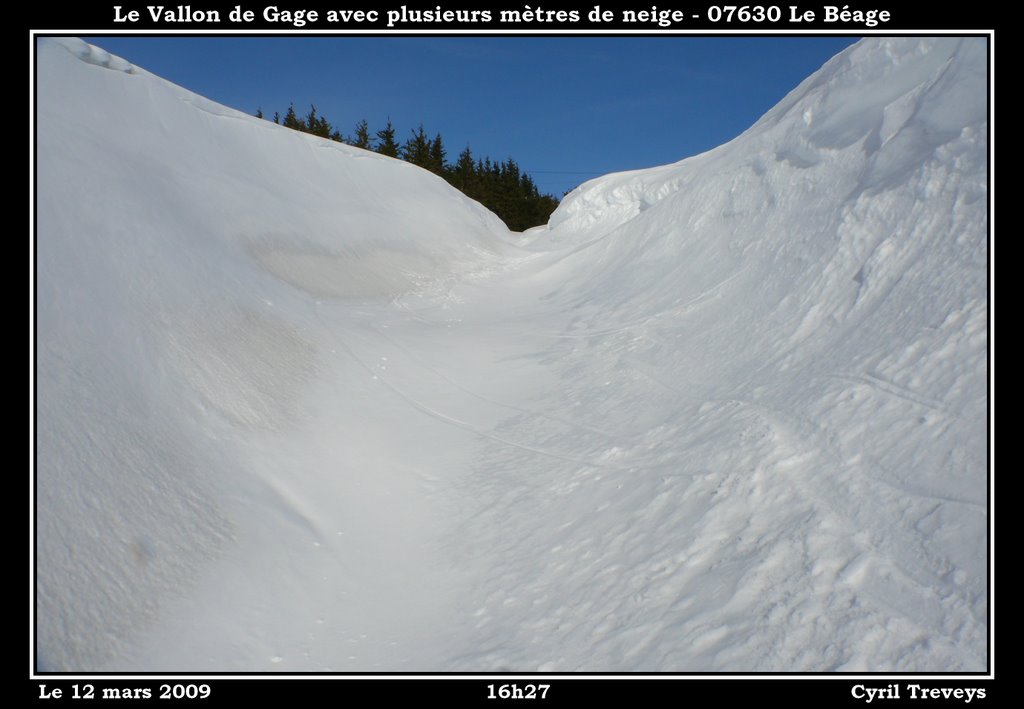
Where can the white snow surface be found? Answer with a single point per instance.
(301, 407)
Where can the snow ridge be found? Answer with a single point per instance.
(301, 407)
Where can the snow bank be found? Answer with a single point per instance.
(301, 407)
(790, 335)
(182, 250)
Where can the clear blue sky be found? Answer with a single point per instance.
(560, 106)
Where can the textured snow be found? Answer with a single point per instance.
(303, 407)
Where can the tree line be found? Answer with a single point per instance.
(501, 186)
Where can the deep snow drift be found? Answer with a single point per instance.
(301, 407)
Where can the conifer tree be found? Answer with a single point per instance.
(435, 162)
(463, 173)
(361, 138)
(417, 149)
(317, 125)
(291, 120)
(386, 144)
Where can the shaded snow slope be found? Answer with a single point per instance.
(184, 250)
(301, 407)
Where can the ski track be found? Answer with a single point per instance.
(450, 420)
(532, 413)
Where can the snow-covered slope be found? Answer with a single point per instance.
(301, 407)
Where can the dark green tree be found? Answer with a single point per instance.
(436, 163)
(417, 149)
(292, 121)
(361, 138)
(386, 144)
(462, 174)
(317, 125)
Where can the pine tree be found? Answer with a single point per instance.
(436, 163)
(386, 144)
(417, 149)
(291, 120)
(361, 138)
(463, 174)
(317, 125)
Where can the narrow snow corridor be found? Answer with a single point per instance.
(305, 408)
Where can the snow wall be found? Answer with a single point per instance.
(303, 407)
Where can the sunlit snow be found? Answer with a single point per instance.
(303, 407)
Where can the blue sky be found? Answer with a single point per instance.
(566, 108)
